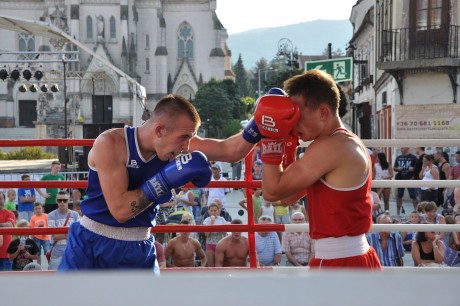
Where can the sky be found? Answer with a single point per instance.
(243, 15)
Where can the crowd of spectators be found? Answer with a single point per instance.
(200, 206)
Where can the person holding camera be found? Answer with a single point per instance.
(22, 250)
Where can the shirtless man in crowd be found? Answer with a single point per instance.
(182, 250)
(233, 250)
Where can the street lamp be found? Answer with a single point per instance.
(263, 70)
(351, 53)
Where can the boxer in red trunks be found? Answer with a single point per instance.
(335, 172)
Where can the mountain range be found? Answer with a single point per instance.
(310, 38)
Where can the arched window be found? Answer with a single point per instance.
(26, 42)
(147, 64)
(185, 42)
(147, 41)
(89, 28)
(113, 28)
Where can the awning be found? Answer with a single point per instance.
(44, 29)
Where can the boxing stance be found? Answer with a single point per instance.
(132, 171)
(334, 173)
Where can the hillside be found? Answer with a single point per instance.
(311, 38)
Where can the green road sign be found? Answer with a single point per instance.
(339, 68)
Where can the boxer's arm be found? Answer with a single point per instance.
(230, 150)
(289, 185)
(109, 156)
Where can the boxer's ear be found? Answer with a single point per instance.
(160, 130)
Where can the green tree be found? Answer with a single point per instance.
(214, 106)
(242, 79)
(272, 74)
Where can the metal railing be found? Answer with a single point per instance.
(419, 43)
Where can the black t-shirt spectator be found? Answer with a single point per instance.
(20, 261)
(405, 162)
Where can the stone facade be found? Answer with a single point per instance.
(172, 46)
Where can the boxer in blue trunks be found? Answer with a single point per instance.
(132, 171)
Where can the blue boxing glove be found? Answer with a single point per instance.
(276, 91)
(251, 132)
(192, 167)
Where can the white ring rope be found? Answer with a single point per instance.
(389, 227)
(372, 143)
(415, 183)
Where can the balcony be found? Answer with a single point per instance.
(415, 48)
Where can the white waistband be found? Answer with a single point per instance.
(113, 232)
(341, 247)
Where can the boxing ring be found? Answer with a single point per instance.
(235, 286)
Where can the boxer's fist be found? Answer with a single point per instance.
(272, 151)
(290, 149)
(276, 116)
(192, 167)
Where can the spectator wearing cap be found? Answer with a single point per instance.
(217, 193)
(268, 245)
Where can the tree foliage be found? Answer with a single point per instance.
(241, 78)
(26, 153)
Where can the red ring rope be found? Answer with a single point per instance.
(247, 183)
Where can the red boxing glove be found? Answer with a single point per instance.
(271, 151)
(276, 116)
(290, 149)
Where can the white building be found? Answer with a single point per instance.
(171, 46)
(412, 52)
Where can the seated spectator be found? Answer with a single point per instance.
(421, 208)
(7, 219)
(233, 250)
(450, 250)
(376, 207)
(431, 216)
(266, 209)
(213, 238)
(221, 211)
(408, 237)
(456, 236)
(182, 249)
(427, 249)
(22, 250)
(388, 245)
(160, 255)
(298, 246)
(268, 245)
(164, 211)
(191, 220)
(456, 208)
(298, 207)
